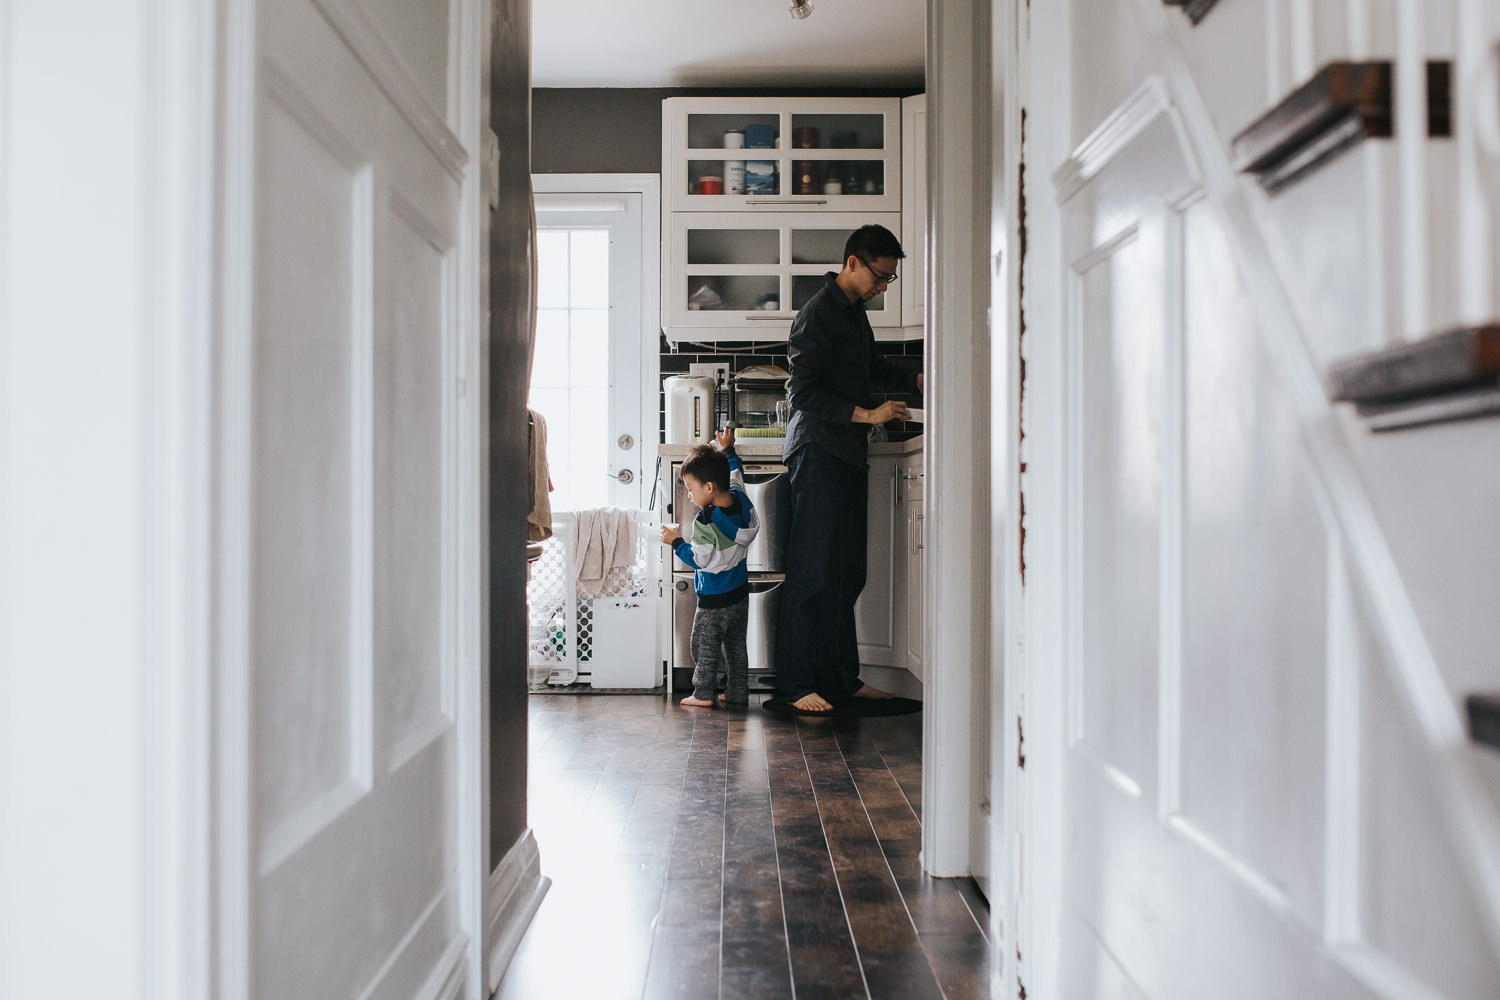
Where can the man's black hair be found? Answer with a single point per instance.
(870, 243)
(707, 464)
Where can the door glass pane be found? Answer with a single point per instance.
(838, 131)
(709, 131)
(805, 285)
(733, 292)
(740, 176)
(845, 177)
(589, 349)
(819, 246)
(550, 369)
(570, 378)
(734, 246)
(552, 268)
(589, 266)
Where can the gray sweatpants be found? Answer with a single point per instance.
(718, 640)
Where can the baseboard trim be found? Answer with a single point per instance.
(897, 680)
(515, 891)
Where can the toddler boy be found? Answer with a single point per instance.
(722, 531)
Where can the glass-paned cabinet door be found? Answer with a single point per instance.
(724, 271)
(759, 154)
(747, 275)
(816, 246)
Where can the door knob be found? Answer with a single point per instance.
(625, 476)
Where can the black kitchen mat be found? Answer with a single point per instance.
(849, 709)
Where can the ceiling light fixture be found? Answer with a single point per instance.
(801, 8)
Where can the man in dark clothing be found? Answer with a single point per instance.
(834, 368)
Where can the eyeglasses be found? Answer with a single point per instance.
(880, 279)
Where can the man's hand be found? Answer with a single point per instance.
(890, 410)
(669, 533)
(726, 438)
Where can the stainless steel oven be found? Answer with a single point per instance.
(769, 487)
(760, 637)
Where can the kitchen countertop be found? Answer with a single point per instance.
(748, 448)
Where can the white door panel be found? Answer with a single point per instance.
(1256, 559)
(1261, 791)
(352, 623)
(1120, 481)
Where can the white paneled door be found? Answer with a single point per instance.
(351, 884)
(1265, 791)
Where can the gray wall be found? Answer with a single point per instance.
(506, 492)
(618, 130)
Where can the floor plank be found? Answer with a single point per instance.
(736, 854)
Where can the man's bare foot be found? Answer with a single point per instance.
(865, 691)
(812, 703)
(691, 702)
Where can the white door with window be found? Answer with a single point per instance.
(595, 383)
(594, 379)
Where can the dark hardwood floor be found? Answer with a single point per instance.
(698, 854)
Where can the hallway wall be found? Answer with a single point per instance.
(617, 130)
(510, 317)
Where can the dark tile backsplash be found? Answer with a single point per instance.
(743, 354)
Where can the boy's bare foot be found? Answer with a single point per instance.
(691, 702)
(723, 700)
(866, 691)
(812, 703)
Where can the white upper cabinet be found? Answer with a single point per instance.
(748, 240)
(777, 154)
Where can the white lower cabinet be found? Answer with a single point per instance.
(888, 615)
(914, 505)
(877, 618)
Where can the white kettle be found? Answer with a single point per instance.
(690, 409)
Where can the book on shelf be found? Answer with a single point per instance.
(1443, 363)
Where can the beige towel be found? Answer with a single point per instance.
(606, 542)
(539, 520)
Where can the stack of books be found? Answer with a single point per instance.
(1449, 376)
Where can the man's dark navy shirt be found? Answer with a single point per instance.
(834, 367)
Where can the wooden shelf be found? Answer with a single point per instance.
(1342, 105)
(1454, 375)
(1196, 10)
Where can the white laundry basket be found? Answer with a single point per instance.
(608, 641)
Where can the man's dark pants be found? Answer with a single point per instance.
(825, 571)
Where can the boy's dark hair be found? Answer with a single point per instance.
(707, 464)
(871, 243)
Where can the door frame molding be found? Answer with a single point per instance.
(648, 186)
(957, 604)
(1032, 50)
(468, 115)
